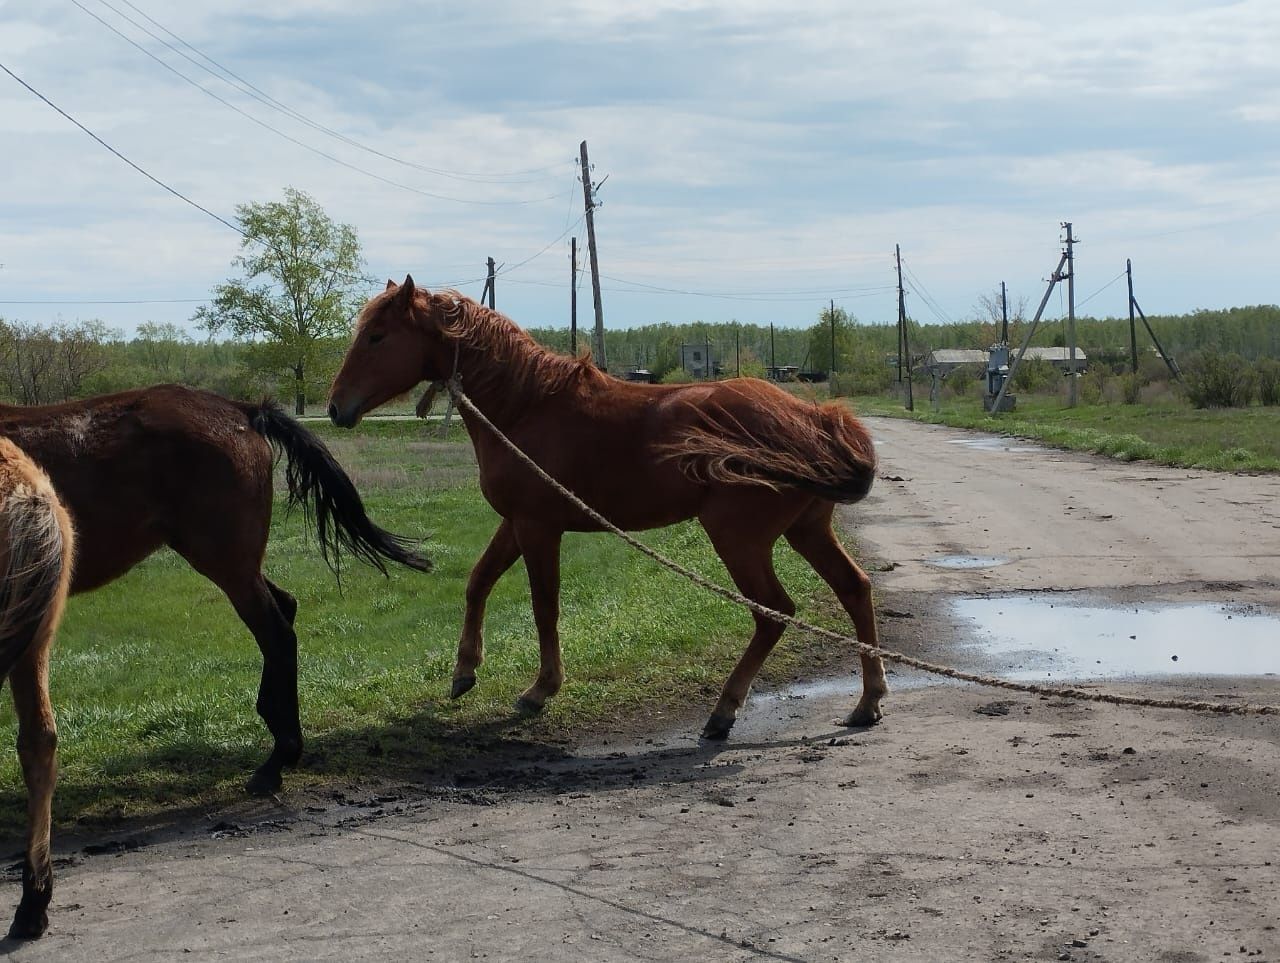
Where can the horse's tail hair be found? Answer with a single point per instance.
(819, 449)
(36, 548)
(328, 497)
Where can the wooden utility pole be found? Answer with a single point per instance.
(573, 296)
(590, 204)
(773, 355)
(737, 353)
(488, 284)
(1135, 306)
(1133, 327)
(1071, 316)
(904, 343)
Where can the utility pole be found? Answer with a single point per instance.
(590, 204)
(1169, 362)
(1054, 278)
(1133, 327)
(573, 296)
(737, 353)
(1004, 314)
(773, 355)
(1071, 315)
(902, 309)
(488, 284)
(904, 343)
(833, 338)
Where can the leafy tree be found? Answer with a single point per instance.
(302, 284)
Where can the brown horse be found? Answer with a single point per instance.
(749, 461)
(36, 545)
(173, 466)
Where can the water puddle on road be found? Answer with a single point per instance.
(1036, 638)
(968, 561)
(996, 443)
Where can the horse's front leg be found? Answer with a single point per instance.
(540, 547)
(499, 556)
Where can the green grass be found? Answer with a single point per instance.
(154, 677)
(1238, 439)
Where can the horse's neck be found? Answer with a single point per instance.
(503, 387)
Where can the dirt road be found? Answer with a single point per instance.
(969, 825)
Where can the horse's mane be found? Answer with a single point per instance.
(520, 367)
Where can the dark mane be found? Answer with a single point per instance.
(526, 369)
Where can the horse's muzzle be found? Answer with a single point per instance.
(344, 419)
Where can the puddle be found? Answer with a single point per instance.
(1038, 638)
(995, 443)
(968, 561)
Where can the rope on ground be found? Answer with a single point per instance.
(1083, 695)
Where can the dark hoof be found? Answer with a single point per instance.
(527, 707)
(461, 686)
(861, 718)
(717, 728)
(30, 922)
(264, 782)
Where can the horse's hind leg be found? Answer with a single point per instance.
(268, 612)
(37, 751)
(272, 626)
(813, 538)
(747, 553)
(499, 556)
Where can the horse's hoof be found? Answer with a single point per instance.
(461, 686)
(528, 707)
(717, 728)
(862, 718)
(28, 923)
(264, 782)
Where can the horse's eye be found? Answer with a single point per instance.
(375, 338)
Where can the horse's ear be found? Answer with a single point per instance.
(405, 295)
(390, 284)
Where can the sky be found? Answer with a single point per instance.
(753, 159)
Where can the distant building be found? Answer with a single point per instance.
(698, 362)
(945, 360)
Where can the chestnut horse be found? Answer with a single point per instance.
(173, 466)
(36, 545)
(749, 461)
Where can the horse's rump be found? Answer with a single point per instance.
(757, 437)
(34, 569)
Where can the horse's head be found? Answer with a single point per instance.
(392, 351)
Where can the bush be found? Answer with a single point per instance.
(1131, 387)
(676, 376)
(1267, 372)
(960, 381)
(1217, 380)
(1035, 374)
(863, 380)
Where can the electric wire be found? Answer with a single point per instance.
(255, 92)
(303, 144)
(1100, 290)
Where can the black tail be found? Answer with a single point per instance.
(327, 496)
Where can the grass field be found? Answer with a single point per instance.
(154, 678)
(1224, 439)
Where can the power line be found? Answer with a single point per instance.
(151, 177)
(1101, 289)
(761, 296)
(249, 89)
(300, 143)
(123, 301)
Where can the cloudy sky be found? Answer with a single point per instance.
(761, 156)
